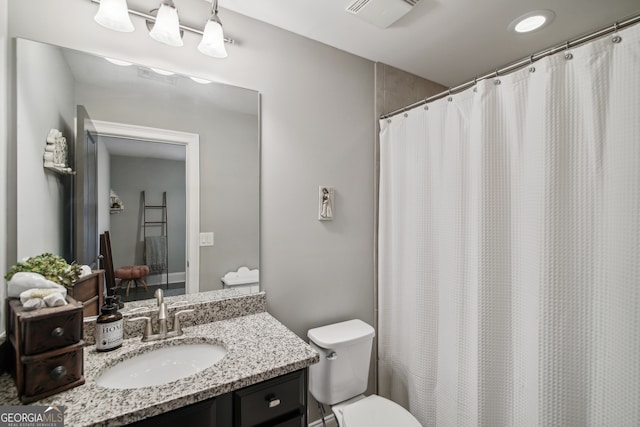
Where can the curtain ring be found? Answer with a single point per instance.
(405, 112)
(568, 55)
(532, 69)
(616, 38)
(450, 98)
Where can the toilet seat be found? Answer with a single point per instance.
(376, 411)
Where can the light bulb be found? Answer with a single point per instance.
(212, 43)
(167, 26)
(114, 14)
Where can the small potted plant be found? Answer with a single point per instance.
(52, 267)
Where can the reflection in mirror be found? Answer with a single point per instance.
(145, 123)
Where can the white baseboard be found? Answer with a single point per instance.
(330, 420)
(159, 278)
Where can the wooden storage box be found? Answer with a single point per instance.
(89, 291)
(46, 349)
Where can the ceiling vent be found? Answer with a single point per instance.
(381, 13)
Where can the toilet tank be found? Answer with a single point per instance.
(345, 353)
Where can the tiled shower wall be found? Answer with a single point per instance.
(394, 89)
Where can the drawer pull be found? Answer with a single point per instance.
(57, 332)
(58, 372)
(273, 401)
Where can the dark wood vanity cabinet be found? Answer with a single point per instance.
(278, 402)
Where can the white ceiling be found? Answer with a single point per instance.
(146, 149)
(446, 41)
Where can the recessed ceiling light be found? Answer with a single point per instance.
(199, 80)
(162, 72)
(118, 62)
(532, 21)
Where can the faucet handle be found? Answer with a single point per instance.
(147, 326)
(176, 320)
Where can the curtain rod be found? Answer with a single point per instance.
(520, 63)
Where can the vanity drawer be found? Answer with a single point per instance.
(45, 329)
(271, 402)
(48, 373)
(297, 421)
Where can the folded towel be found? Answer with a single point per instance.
(52, 297)
(25, 280)
(156, 253)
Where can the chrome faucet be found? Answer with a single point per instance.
(147, 334)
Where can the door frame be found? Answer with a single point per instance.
(191, 142)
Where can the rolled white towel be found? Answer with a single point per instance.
(55, 299)
(52, 296)
(48, 156)
(52, 135)
(50, 148)
(85, 270)
(25, 280)
(34, 303)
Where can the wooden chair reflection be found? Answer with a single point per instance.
(127, 275)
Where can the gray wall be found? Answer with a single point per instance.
(129, 177)
(317, 129)
(229, 169)
(104, 186)
(45, 100)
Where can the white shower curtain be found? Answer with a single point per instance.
(509, 247)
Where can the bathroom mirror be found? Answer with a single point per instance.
(133, 107)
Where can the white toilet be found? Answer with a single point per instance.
(342, 375)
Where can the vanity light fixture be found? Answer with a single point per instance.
(212, 43)
(161, 71)
(199, 80)
(119, 62)
(165, 27)
(113, 14)
(532, 21)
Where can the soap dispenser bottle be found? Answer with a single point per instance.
(109, 331)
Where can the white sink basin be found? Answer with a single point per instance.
(161, 366)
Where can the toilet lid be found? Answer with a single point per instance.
(376, 411)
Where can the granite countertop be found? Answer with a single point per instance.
(258, 348)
